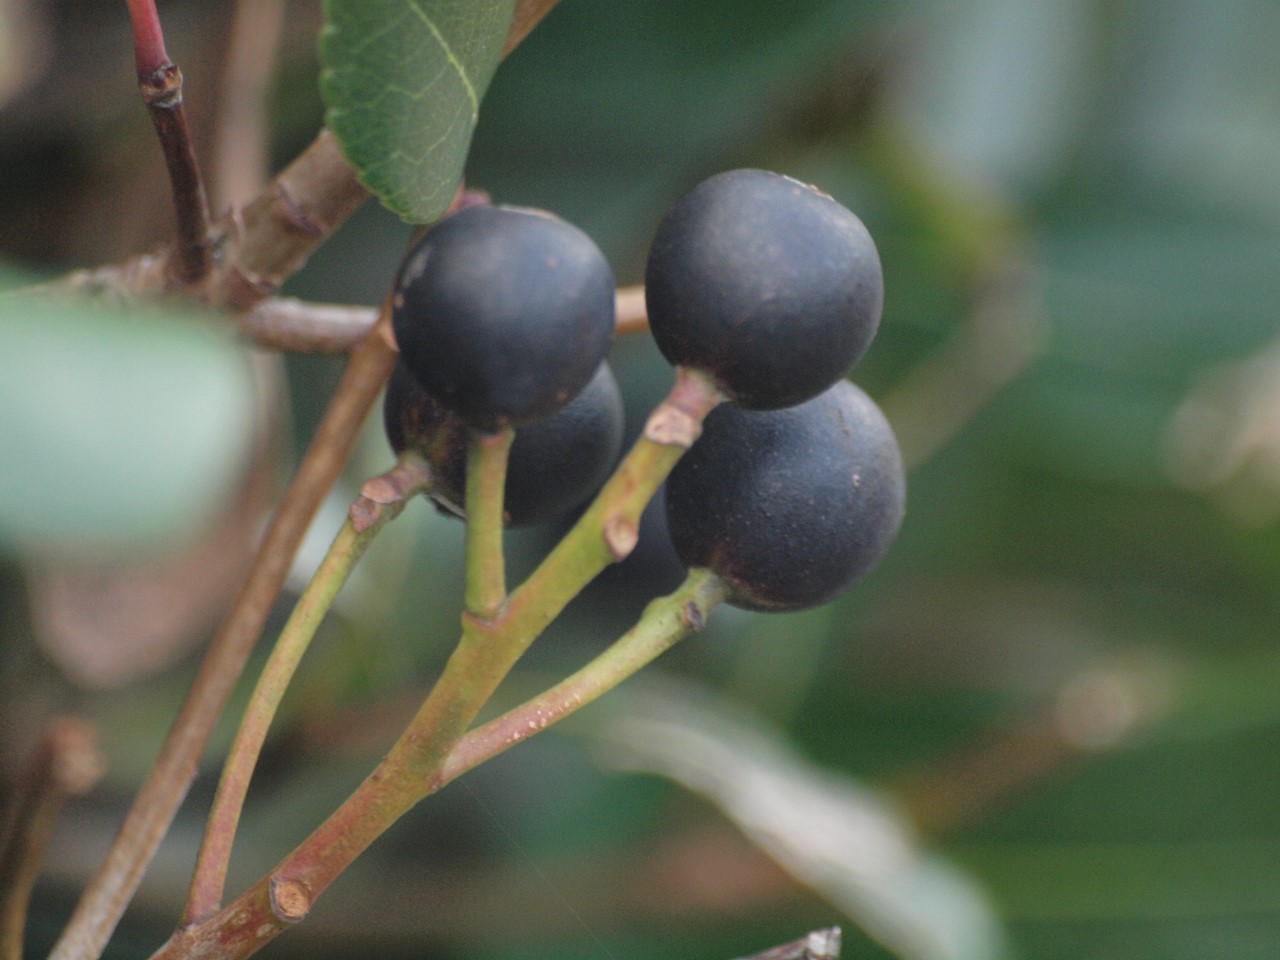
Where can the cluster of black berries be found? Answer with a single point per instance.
(769, 287)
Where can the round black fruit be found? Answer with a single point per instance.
(554, 466)
(790, 507)
(503, 314)
(767, 284)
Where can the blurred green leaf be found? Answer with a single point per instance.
(1000, 86)
(403, 81)
(116, 429)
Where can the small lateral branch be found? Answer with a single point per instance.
(286, 323)
(160, 83)
(379, 502)
(665, 622)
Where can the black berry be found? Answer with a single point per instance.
(791, 507)
(767, 284)
(554, 466)
(503, 314)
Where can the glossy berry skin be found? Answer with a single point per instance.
(555, 464)
(767, 284)
(503, 314)
(791, 507)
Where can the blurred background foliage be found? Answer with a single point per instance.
(1048, 727)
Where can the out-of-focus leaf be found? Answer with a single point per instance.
(403, 81)
(116, 430)
(999, 86)
(842, 839)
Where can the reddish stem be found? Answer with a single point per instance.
(148, 38)
(160, 82)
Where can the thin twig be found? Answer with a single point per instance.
(160, 82)
(631, 313)
(286, 323)
(240, 143)
(267, 241)
(405, 776)
(381, 500)
(65, 764)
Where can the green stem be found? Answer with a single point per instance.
(380, 501)
(486, 588)
(607, 532)
(486, 652)
(665, 621)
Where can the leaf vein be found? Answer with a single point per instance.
(452, 57)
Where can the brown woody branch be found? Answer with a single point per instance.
(162, 93)
(256, 247)
(286, 323)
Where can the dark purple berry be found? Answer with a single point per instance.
(555, 464)
(503, 314)
(790, 507)
(767, 284)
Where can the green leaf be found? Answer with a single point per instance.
(403, 81)
(118, 430)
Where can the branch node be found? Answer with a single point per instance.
(247, 288)
(295, 214)
(677, 421)
(290, 899)
(621, 534)
(692, 617)
(162, 87)
(671, 426)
